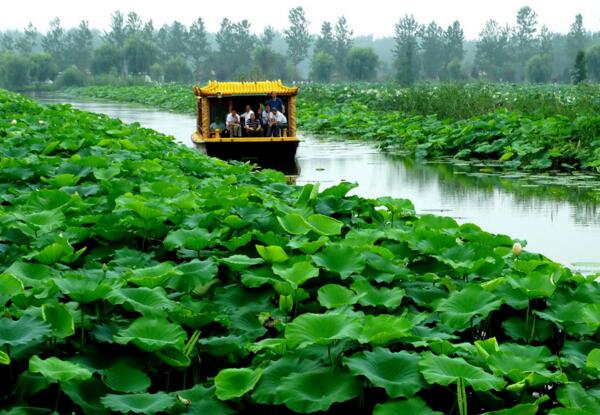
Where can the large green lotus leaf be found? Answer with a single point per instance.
(240, 262)
(340, 259)
(577, 317)
(257, 277)
(4, 358)
(174, 357)
(515, 328)
(58, 370)
(9, 286)
(45, 220)
(444, 370)
(122, 377)
(272, 254)
(334, 296)
(537, 284)
(46, 200)
(154, 276)
(309, 328)
(295, 224)
(576, 352)
(147, 301)
(194, 239)
(398, 373)
(152, 334)
(390, 298)
(296, 274)
(384, 328)
(411, 406)
(82, 288)
(87, 395)
(62, 180)
(593, 359)
(23, 331)
(458, 310)
(574, 396)
(325, 225)
(33, 275)
(60, 318)
(233, 383)
(139, 403)
(265, 390)
(317, 390)
(517, 362)
(58, 251)
(200, 400)
(521, 409)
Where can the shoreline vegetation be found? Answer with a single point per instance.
(516, 127)
(137, 275)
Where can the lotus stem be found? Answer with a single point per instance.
(461, 396)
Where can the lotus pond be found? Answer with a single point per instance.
(138, 276)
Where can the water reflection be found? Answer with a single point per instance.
(558, 216)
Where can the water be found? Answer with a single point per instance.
(558, 217)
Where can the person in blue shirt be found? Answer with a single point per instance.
(276, 103)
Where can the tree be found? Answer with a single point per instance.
(43, 67)
(322, 67)
(72, 76)
(539, 69)
(147, 32)
(343, 44)
(405, 50)
(133, 25)
(79, 46)
(28, 40)
(362, 64)
(325, 41)
(139, 55)
(545, 40)
(7, 42)
(593, 62)
(55, 42)
(267, 36)
(575, 38)
(523, 37)
(297, 37)
(177, 70)
(117, 35)
(492, 56)
(269, 64)
(156, 72)
(198, 45)
(579, 73)
(454, 38)
(16, 71)
(433, 51)
(455, 71)
(235, 46)
(107, 58)
(177, 40)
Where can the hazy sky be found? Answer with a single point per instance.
(375, 17)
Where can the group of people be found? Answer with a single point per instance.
(270, 119)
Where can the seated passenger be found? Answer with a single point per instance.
(276, 103)
(265, 117)
(277, 122)
(253, 127)
(233, 124)
(246, 115)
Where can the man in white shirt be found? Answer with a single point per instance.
(277, 121)
(246, 115)
(233, 124)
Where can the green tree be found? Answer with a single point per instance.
(198, 45)
(269, 64)
(72, 76)
(454, 39)
(55, 42)
(539, 69)
(177, 40)
(455, 71)
(156, 72)
(433, 57)
(28, 40)
(15, 71)
(362, 64)
(235, 47)
(177, 70)
(267, 36)
(593, 62)
(147, 33)
(325, 42)
(107, 58)
(579, 73)
(79, 46)
(43, 67)
(297, 37)
(545, 40)
(524, 38)
(576, 38)
(322, 67)
(492, 56)
(139, 55)
(7, 42)
(406, 47)
(117, 34)
(133, 26)
(343, 44)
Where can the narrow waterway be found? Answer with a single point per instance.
(557, 216)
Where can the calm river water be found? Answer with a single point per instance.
(557, 216)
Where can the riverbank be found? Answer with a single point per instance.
(202, 282)
(529, 128)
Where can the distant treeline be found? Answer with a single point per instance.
(132, 50)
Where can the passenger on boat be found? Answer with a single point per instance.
(217, 125)
(276, 102)
(253, 127)
(233, 124)
(246, 115)
(265, 117)
(277, 122)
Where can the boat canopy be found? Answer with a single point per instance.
(227, 89)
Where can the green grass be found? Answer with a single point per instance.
(139, 276)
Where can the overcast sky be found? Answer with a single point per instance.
(375, 17)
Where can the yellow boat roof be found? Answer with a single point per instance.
(215, 88)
